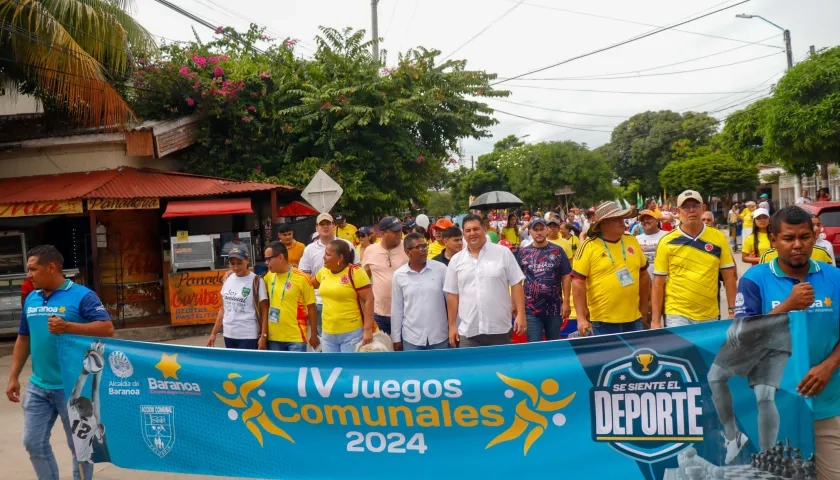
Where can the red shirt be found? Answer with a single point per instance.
(26, 288)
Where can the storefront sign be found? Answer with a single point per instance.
(636, 406)
(183, 236)
(195, 297)
(30, 209)
(123, 203)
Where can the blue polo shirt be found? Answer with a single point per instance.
(74, 303)
(765, 286)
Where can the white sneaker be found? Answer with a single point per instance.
(734, 446)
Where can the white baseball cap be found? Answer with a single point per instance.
(759, 212)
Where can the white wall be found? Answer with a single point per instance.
(14, 104)
(25, 162)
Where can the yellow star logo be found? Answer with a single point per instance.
(168, 365)
(827, 302)
(62, 309)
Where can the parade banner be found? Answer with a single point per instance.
(646, 405)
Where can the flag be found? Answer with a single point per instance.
(626, 205)
(639, 203)
(660, 201)
(618, 202)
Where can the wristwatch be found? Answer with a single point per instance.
(264, 335)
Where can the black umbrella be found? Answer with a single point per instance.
(491, 200)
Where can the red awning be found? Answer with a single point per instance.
(297, 209)
(199, 208)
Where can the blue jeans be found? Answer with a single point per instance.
(40, 410)
(383, 322)
(319, 307)
(604, 328)
(287, 346)
(409, 347)
(248, 344)
(341, 342)
(539, 323)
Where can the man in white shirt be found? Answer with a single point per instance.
(650, 236)
(235, 242)
(418, 302)
(804, 198)
(764, 201)
(480, 282)
(313, 255)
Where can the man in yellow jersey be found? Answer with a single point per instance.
(747, 220)
(555, 238)
(345, 230)
(819, 254)
(692, 257)
(288, 288)
(286, 235)
(609, 281)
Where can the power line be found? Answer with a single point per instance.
(555, 124)
(653, 74)
(497, 20)
(556, 110)
(733, 94)
(621, 91)
(391, 21)
(616, 45)
(642, 23)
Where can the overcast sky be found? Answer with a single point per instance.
(538, 33)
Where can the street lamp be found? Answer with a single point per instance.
(785, 31)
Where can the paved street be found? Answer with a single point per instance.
(14, 458)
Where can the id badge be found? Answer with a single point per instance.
(273, 315)
(624, 277)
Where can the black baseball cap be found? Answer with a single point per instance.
(390, 223)
(339, 217)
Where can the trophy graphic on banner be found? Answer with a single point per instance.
(645, 360)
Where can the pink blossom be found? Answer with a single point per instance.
(246, 119)
(291, 42)
(266, 37)
(190, 101)
(213, 91)
(214, 60)
(252, 108)
(184, 70)
(193, 75)
(196, 85)
(386, 71)
(142, 72)
(258, 169)
(264, 75)
(227, 141)
(200, 61)
(219, 30)
(218, 72)
(224, 58)
(420, 159)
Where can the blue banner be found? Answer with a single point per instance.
(646, 405)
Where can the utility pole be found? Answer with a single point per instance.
(788, 50)
(472, 162)
(812, 51)
(374, 20)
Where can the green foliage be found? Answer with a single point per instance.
(536, 171)
(716, 174)
(440, 204)
(641, 146)
(743, 135)
(384, 134)
(803, 121)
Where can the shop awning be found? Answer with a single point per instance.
(200, 208)
(297, 209)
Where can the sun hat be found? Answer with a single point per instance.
(759, 212)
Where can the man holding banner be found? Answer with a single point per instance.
(793, 281)
(57, 306)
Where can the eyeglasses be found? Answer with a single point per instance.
(692, 207)
(269, 259)
(422, 246)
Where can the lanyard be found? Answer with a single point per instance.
(282, 295)
(607, 248)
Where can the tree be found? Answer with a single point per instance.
(385, 135)
(536, 171)
(69, 53)
(717, 174)
(743, 134)
(640, 147)
(440, 204)
(803, 121)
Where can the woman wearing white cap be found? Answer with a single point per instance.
(757, 242)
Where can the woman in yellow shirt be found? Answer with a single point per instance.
(347, 314)
(747, 220)
(511, 230)
(566, 233)
(758, 241)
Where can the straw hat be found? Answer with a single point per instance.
(611, 210)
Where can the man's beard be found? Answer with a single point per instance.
(795, 265)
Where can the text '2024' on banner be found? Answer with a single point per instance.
(636, 406)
